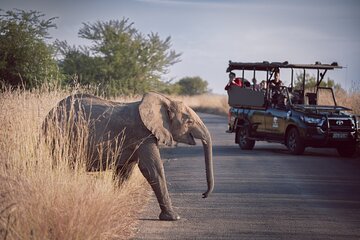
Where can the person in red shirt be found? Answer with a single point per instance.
(233, 80)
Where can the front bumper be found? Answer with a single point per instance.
(317, 137)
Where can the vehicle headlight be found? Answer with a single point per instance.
(311, 120)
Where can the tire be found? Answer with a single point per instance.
(347, 150)
(294, 142)
(244, 142)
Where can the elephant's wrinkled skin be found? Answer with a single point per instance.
(152, 121)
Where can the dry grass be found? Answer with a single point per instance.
(351, 100)
(208, 103)
(40, 201)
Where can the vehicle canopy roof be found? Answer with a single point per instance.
(271, 66)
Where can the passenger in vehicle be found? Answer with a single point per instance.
(281, 101)
(275, 87)
(276, 82)
(263, 85)
(247, 83)
(233, 80)
(255, 86)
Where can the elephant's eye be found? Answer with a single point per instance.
(189, 121)
(186, 119)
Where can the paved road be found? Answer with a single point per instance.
(260, 194)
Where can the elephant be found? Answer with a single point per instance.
(147, 124)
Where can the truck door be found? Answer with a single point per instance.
(275, 122)
(258, 120)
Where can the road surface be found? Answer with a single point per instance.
(260, 194)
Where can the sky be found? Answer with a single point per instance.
(209, 33)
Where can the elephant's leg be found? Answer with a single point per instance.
(123, 172)
(125, 164)
(152, 168)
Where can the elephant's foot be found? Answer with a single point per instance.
(169, 216)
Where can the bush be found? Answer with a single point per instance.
(25, 59)
(121, 60)
(193, 86)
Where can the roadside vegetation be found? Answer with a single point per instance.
(43, 200)
(119, 60)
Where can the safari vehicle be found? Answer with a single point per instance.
(298, 118)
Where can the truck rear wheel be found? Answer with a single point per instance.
(347, 150)
(294, 142)
(243, 139)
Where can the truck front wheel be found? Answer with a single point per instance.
(294, 142)
(243, 139)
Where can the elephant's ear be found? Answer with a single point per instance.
(154, 112)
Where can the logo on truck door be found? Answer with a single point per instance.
(275, 122)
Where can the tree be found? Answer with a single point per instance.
(25, 58)
(310, 82)
(127, 61)
(79, 65)
(193, 86)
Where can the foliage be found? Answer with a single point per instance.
(310, 82)
(25, 58)
(121, 60)
(193, 86)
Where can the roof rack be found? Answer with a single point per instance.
(271, 66)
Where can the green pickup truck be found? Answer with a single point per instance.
(298, 118)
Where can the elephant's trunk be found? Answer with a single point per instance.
(207, 145)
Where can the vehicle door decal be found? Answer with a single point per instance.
(275, 122)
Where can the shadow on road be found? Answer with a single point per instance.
(150, 219)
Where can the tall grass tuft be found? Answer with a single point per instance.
(41, 195)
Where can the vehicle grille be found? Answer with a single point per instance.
(341, 125)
